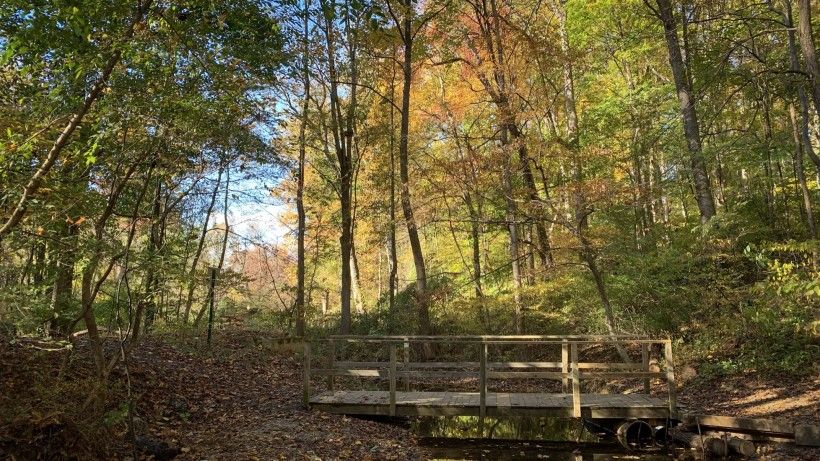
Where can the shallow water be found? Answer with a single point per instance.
(488, 449)
(464, 437)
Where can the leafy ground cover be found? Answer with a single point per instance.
(242, 400)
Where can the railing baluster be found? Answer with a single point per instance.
(576, 381)
(670, 378)
(482, 382)
(645, 360)
(406, 365)
(306, 384)
(392, 379)
(332, 363)
(565, 366)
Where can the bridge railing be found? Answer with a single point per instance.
(398, 369)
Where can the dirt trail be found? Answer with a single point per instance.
(243, 402)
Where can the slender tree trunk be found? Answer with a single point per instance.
(154, 243)
(512, 227)
(88, 288)
(475, 239)
(809, 52)
(799, 172)
(342, 136)
(192, 279)
(582, 209)
(356, 282)
(61, 293)
(225, 236)
(691, 128)
(794, 66)
(406, 204)
(300, 181)
(393, 253)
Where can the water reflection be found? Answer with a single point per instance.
(464, 437)
(483, 449)
(519, 428)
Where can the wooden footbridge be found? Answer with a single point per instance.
(490, 376)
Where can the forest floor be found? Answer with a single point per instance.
(242, 400)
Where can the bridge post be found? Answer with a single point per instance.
(332, 364)
(306, 384)
(645, 360)
(576, 381)
(406, 365)
(565, 366)
(482, 383)
(670, 378)
(392, 379)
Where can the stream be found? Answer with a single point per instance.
(463, 438)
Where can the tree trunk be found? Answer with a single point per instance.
(224, 236)
(794, 66)
(61, 293)
(355, 281)
(799, 172)
(393, 253)
(581, 208)
(406, 205)
(807, 46)
(691, 128)
(475, 240)
(300, 180)
(192, 279)
(154, 243)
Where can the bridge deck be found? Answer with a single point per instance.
(498, 404)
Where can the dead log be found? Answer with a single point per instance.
(708, 445)
(742, 447)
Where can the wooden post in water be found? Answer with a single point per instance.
(670, 378)
(645, 360)
(392, 379)
(211, 296)
(565, 366)
(332, 364)
(576, 381)
(306, 383)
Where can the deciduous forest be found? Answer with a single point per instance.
(185, 183)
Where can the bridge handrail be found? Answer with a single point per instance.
(570, 367)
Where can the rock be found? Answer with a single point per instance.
(159, 449)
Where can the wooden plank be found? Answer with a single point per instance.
(524, 374)
(670, 378)
(645, 367)
(392, 380)
(361, 373)
(439, 374)
(576, 382)
(306, 376)
(342, 365)
(729, 423)
(622, 374)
